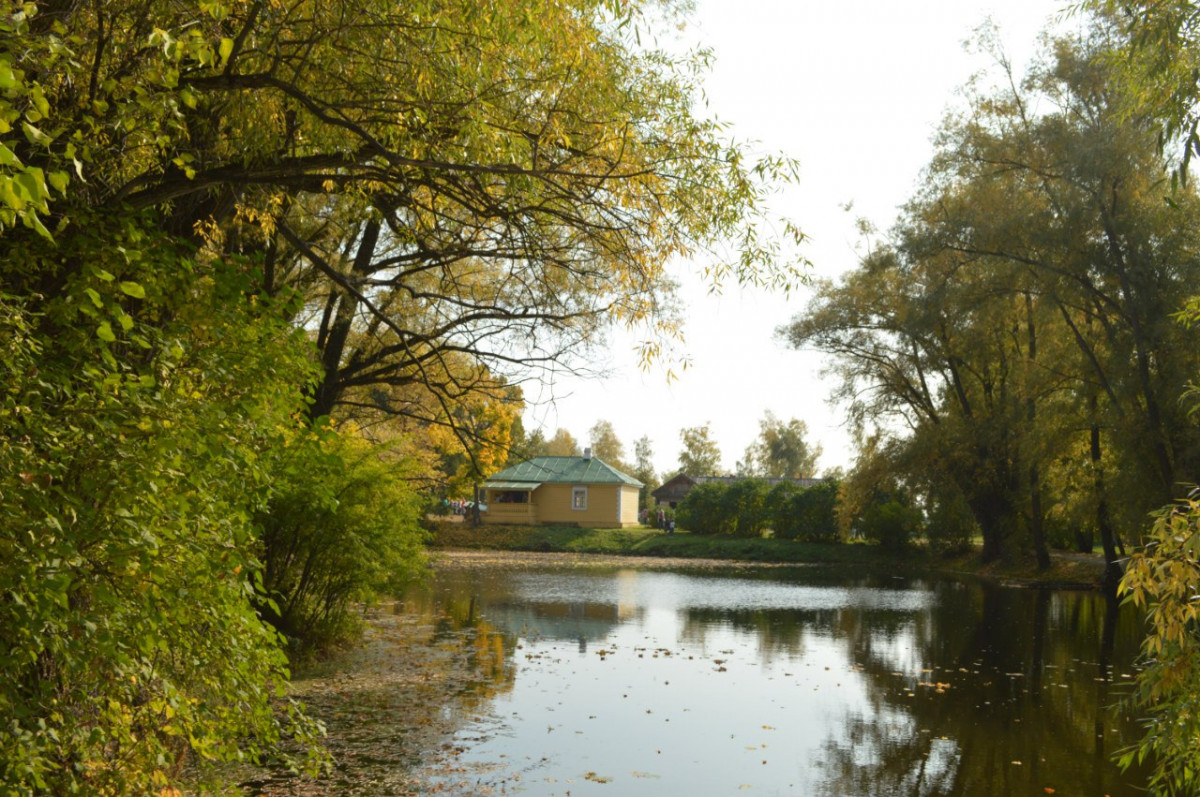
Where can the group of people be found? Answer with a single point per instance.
(664, 522)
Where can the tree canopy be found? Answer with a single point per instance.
(700, 455)
(781, 450)
(1019, 316)
(225, 220)
(459, 193)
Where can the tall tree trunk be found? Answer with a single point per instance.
(1037, 527)
(329, 388)
(991, 512)
(1108, 536)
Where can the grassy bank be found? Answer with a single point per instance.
(1067, 570)
(653, 542)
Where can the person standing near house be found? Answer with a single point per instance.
(662, 518)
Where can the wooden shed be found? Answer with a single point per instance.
(582, 491)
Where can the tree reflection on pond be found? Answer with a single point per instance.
(868, 684)
(781, 682)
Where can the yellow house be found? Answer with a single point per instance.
(581, 491)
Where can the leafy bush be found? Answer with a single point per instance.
(700, 511)
(741, 507)
(890, 523)
(814, 512)
(341, 527)
(136, 408)
(1161, 581)
(951, 525)
(778, 507)
(804, 513)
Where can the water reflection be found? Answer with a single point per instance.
(789, 683)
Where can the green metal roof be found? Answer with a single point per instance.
(492, 484)
(564, 470)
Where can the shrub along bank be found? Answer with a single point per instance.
(655, 542)
(1068, 570)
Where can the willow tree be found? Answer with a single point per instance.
(423, 198)
(1156, 67)
(781, 450)
(497, 181)
(1034, 277)
(934, 343)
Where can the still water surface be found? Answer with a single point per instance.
(783, 682)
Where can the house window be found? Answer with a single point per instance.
(579, 498)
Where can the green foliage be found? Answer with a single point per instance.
(1156, 67)
(643, 471)
(950, 527)
(653, 542)
(137, 404)
(890, 522)
(606, 446)
(781, 450)
(293, 131)
(700, 455)
(778, 508)
(742, 507)
(701, 511)
(805, 513)
(26, 189)
(1018, 318)
(437, 184)
(341, 527)
(747, 507)
(1162, 580)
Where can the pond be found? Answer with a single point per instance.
(771, 681)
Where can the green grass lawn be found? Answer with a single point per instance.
(1066, 570)
(653, 542)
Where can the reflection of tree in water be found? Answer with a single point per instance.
(777, 632)
(479, 650)
(1004, 699)
(783, 633)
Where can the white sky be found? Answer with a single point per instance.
(854, 89)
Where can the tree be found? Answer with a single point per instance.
(702, 510)
(606, 446)
(700, 455)
(533, 444)
(643, 469)
(808, 513)
(434, 178)
(1023, 302)
(140, 414)
(340, 529)
(452, 448)
(562, 445)
(1157, 63)
(430, 201)
(742, 507)
(781, 450)
(1161, 581)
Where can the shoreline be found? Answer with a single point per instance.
(652, 549)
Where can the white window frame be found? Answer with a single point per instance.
(578, 492)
